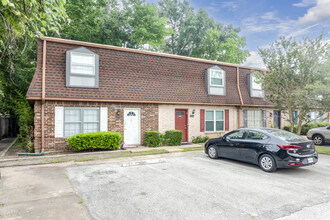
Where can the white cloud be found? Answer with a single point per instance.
(230, 5)
(318, 13)
(269, 16)
(254, 60)
(267, 22)
(302, 31)
(304, 3)
(216, 6)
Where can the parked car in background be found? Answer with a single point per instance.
(319, 135)
(267, 147)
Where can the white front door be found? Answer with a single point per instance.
(132, 126)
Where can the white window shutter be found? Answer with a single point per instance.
(104, 119)
(59, 120)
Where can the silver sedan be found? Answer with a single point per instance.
(319, 135)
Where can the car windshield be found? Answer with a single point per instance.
(285, 135)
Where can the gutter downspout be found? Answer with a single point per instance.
(240, 98)
(43, 97)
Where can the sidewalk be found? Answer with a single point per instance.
(97, 155)
(4, 144)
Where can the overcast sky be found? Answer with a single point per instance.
(264, 21)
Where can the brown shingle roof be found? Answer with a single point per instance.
(138, 76)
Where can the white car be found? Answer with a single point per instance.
(319, 135)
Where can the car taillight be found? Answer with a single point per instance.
(288, 147)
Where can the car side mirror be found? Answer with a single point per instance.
(225, 138)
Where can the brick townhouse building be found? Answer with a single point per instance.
(81, 87)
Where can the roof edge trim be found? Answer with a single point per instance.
(140, 101)
(103, 46)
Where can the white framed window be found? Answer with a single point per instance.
(255, 87)
(81, 120)
(82, 68)
(216, 78)
(216, 81)
(214, 121)
(315, 117)
(254, 118)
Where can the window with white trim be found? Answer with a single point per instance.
(216, 81)
(216, 78)
(254, 119)
(315, 117)
(81, 120)
(255, 87)
(214, 121)
(82, 68)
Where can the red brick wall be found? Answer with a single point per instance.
(149, 121)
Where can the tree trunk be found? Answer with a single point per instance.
(299, 126)
(291, 119)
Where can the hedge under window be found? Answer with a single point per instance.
(214, 120)
(80, 120)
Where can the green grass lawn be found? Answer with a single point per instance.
(323, 149)
(185, 149)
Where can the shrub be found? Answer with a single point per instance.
(200, 139)
(287, 128)
(306, 127)
(95, 140)
(173, 137)
(153, 138)
(311, 125)
(25, 120)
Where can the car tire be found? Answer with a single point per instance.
(267, 163)
(318, 139)
(212, 152)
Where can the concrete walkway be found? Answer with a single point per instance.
(85, 156)
(4, 144)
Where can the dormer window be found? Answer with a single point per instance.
(216, 81)
(256, 90)
(82, 68)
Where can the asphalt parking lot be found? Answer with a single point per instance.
(192, 186)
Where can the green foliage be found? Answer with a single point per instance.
(24, 114)
(95, 140)
(199, 35)
(306, 127)
(153, 138)
(134, 24)
(20, 19)
(298, 77)
(20, 22)
(200, 139)
(173, 137)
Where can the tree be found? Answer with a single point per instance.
(298, 77)
(133, 25)
(23, 19)
(198, 35)
(143, 25)
(21, 22)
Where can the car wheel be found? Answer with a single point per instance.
(267, 163)
(318, 139)
(212, 152)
